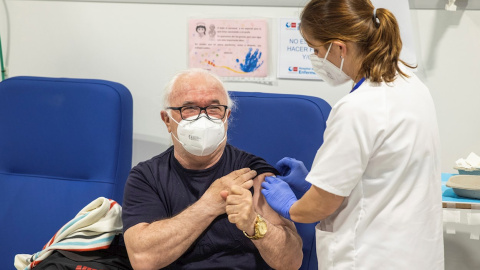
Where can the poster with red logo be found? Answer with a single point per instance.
(293, 52)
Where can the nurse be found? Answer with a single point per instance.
(375, 181)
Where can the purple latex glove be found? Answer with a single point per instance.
(278, 195)
(294, 173)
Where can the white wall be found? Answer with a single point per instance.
(143, 45)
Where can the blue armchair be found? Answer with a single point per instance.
(274, 126)
(63, 143)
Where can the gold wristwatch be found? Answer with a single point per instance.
(260, 228)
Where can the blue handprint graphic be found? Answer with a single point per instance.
(251, 61)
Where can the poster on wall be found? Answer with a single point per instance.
(293, 52)
(229, 47)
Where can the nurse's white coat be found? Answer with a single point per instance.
(382, 151)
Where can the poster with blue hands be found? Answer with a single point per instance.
(229, 47)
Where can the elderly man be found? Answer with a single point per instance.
(198, 205)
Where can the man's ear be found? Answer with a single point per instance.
(166, 119)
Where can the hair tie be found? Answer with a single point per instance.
(375, 19)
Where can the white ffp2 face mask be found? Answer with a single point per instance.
(328, 71)
(200, 137)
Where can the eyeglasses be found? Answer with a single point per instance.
(217, 111)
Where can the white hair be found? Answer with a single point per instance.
(169, 87)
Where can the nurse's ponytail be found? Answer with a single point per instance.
(383, 49)
(374, 31)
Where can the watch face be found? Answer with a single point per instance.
(262, 227)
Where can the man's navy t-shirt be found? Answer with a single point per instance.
(160, 188)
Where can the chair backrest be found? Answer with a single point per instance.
(274, 126)
(63, 143)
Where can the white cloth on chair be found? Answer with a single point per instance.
(93, 228)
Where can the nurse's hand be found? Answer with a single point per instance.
(294, 173)
(278, 195)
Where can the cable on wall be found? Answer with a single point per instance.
(1, 60)
(4, 64)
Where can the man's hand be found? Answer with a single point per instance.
(242, 178)
(240, 209)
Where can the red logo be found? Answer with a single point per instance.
(295, 69)
(294, 25)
